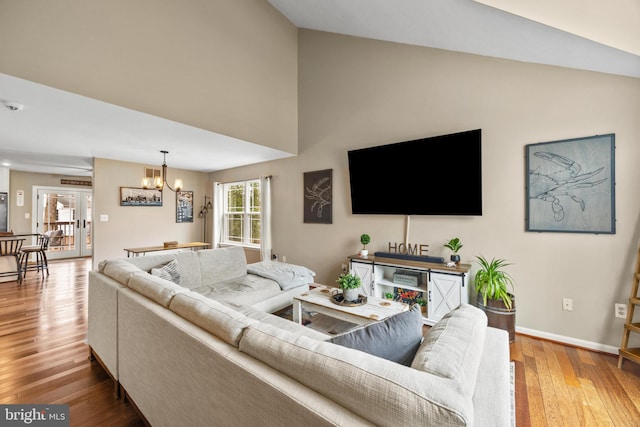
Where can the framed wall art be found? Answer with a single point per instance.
(184, 206)
(570, 185)
(318, 197)
(131, 196)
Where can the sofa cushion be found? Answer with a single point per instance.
(396, 338)
(147, 262)
(288, 276)
(373, 388)
(222, 264)
(212, 316)
(155, 288)
(169, 272)
(118, 269)
(278, 322)
(452, 348)
(245, 290)
(189, 267)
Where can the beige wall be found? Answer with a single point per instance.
(226, 66)
(358, 93)
(25, 181)
(132, 226)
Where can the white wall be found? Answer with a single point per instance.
(357, 93)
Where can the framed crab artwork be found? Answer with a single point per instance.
(570, 185)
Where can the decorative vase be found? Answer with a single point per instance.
(351, 294)
(455, 258)
(364, 253)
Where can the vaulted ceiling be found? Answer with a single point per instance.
(44, 136)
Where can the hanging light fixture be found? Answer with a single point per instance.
(159, 182)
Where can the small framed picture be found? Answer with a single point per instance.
(184, 206)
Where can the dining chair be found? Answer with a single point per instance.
(40, 251)
(11, 248)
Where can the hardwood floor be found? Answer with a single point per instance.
(44, 359)
(43, 354)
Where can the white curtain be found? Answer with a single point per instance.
(265, 220)
(218, 213)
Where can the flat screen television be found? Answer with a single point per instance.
(440, 175)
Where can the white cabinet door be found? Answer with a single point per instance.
(445, 294)
(364, 270)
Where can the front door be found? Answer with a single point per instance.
(67, 214)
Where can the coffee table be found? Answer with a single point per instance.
(319, 301)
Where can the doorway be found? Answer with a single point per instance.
(67, 214)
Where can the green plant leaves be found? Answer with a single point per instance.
(492, 282)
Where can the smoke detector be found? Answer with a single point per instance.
(13, 106)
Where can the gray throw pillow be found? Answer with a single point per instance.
(169, 271)
(396, 338)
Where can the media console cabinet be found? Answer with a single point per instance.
(443, 288)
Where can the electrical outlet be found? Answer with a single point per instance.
(274, 257)
(621, 311)
(567, 304)
(344, 268)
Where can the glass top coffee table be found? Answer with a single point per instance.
(319, 301)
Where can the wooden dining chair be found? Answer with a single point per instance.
(11, 248)
(40, 251)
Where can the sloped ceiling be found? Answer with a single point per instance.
(58, 132)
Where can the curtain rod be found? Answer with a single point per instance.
(249, 179)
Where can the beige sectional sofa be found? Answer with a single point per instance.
(185, 358)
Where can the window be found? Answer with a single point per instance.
(242, 202)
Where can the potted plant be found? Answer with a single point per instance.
(492, 285)
(423, 305)
(389, 295)
(350, 285)
(365, 240)
(454, 244)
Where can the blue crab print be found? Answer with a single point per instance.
(550, 187)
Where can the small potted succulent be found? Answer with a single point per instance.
(423, 305)
(454, 244)
(365, 239)
(350, 285)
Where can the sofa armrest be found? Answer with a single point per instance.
(102, 330)
(492, 396)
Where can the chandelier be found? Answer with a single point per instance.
(159, 182)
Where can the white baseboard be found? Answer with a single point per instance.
(569, 340)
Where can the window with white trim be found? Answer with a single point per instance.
(242, 213)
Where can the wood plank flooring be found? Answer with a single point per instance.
(43, 353)
(44, 359)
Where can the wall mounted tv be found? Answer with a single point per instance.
(441, 175)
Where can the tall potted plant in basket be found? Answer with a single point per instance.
(492, 284)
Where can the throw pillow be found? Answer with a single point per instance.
(169, 271)
(396, 338)
(453, 347)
